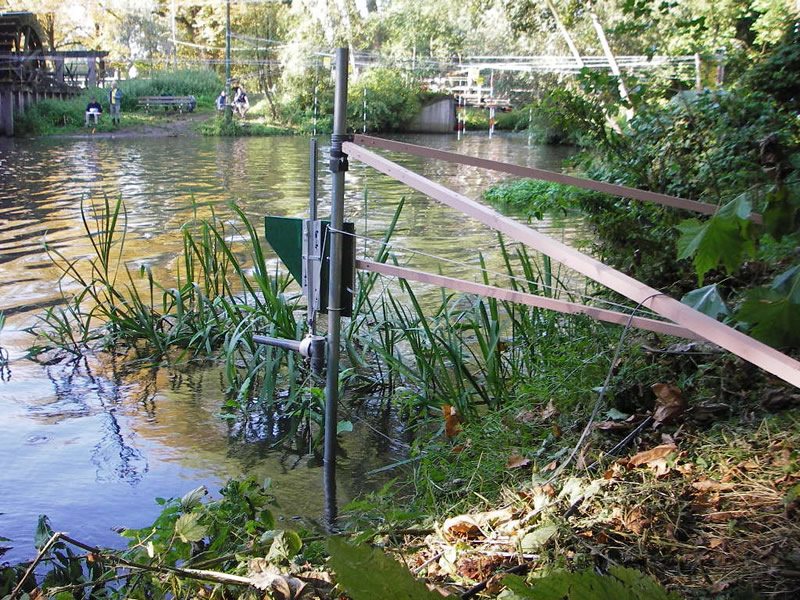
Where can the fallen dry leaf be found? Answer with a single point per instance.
(550, 411)
(550, 466)
(706, 485)
(611, 425)
(527, 416)
(516, 461)
(471, 526)
(649, 456)
(670, 403)
(451, 420)
(556, 430)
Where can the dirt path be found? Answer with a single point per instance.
(180, 125)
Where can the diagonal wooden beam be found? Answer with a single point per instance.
(734, 341)
(488, 291)
(533, 173)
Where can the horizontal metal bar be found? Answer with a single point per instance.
(265, 340)
(562, 306)
(587, 184)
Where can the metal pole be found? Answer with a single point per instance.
(174, 45)
(228, 99)
(312, 216)
(338, 165)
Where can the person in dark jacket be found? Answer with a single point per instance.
(93, 111)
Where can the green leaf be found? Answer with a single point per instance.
(343, 426)
(725, 238)
(707, 300)
(616, 415)
(189, 529)
(193, 498)
(620, 584)
(368, 574)
(538, 537)
(775, 320)
(285, 545)
(788, 284)
(43, 532)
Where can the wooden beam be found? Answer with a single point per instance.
(734, 341)
(488, 291)
(587, 184)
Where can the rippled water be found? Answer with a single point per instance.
(92, 445)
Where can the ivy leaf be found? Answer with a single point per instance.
(368, 574)
(189, 529)
(708, 301)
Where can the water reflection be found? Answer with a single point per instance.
(92, 443)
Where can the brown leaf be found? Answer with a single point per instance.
(457, 449)
(266, 576)
(650, 456)
(556, 430)
(550, 411)
(516, 461)
(636, 521)
(715, 543)
(451, 420)
(611, 425)
(720, 586)
(670, 403)
(706, 485)
(471, 526)
(550, 466)
(527, 416)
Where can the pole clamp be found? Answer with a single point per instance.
(338, 162)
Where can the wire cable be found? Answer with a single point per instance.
(515, 278)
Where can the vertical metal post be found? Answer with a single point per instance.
(312, 216)
(174, 45)
(338, 168)
(228, 99)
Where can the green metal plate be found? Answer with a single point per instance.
(285, 235)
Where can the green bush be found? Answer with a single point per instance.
(392, 100)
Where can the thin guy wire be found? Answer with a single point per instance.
(491, 272)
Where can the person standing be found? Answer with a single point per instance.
(114, 101)
(221, 100)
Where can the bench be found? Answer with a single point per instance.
(179, 103)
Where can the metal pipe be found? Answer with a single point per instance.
(265, 340)
(338, 166)
(312, 216)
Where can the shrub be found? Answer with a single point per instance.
(392, 100)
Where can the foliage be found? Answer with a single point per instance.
(192, 529)
(217, 304)
(49, 116)
(205, 85)
(368, 574)
(619, 584)
(218, 125)
(393, 100)
(778, 74)
(533, 197)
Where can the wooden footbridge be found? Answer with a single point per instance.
(29, 73)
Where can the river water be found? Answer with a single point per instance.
(91, 444)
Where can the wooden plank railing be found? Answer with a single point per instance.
(732, 340)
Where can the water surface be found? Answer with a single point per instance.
(91, 444)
